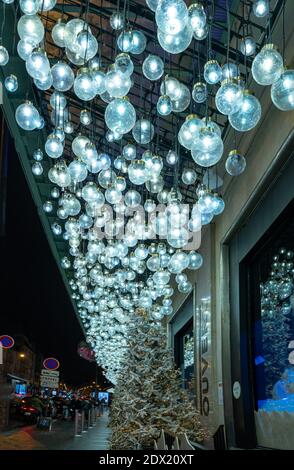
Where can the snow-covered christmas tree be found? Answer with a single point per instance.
(148, 395)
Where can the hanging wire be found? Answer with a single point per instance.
(3, 22)
(229, 30)
(284, 30)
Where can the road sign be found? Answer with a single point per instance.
(50, 382)
(6, 341)
(49, 373)
(51, 363)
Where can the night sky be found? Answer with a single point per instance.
(34, 300)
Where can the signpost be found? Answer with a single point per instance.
(51, 363)
(6, 341)
(49, 378)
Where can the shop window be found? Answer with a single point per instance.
(184, 356)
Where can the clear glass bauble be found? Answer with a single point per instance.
(85, 117)
(177, 43)
(201, 33)
(267, 66)
(30, 27)
(47, 5)
(78, 171)
(235, 163)
(29, 7)
(138, 42)
(153, 67)
(72, 29)
(113, 195)
(116, 84)
(261, 8)
(38, 65)
(229, 97)
(189, 176)
(178, 262)
(177, 237)
(48, 207)
(58, 33)
(129, 152)
(124, 65)
(74, 57)
(117, 21)
(230, 71)
(282, 91)
(249, 114)
(212, 125)
(218, 205)
(4, 56)
(125, 41)
(171, 87)
(132, 198)
(86, 45)
(99, 78)
(11, 83)
(53, 147)
(106, 178)
(91, 194)
(197, 16)
(199, 92)
(206, 203)
(58, 100)
(68, 127)
(84, 85)
(45, 83)
(38, 155)
(25, 47)
(37, 169)
(185, 287)
(26, 116)
(63, 76)
(195, 260)
(164, 105)
(181, 104)
(143, 131)
(152, 4)
(120, 183)
(137, 172)
(120, 116)
(79, 145)
(171, 16)
(55, 193)
(212, 72)
(248, 46)
(172, 157)
(208, 148)
(149, 205)
(189, 131)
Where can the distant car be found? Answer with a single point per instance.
(28, 411)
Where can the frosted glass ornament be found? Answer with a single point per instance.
(38, 65)
(44, 83)
(229, 97)
(143, 131)
(181, 104)
(58, 33)
(138, 42)
(25, 48)
(235, 163)
(116, 84)
(282, 91)
(153, 67)
(197, 16)
(267, 66)
(212, 72)
(249, 114)
(171, 16)
(177, 43)
(11, 83)
(4, 56)
(199, 93)
(125, 41)
(189, 131)
(164, 105)
(63, 76)
(124, 65)
(29, 7)
(117, 21)
(30, 27)
(120, 116)
(26, 116)
(53, 147)
(84, 85)
(208, 148)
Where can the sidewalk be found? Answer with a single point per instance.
(95, 438)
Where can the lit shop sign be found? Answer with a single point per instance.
(203, 344)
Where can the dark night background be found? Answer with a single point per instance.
(34, 301)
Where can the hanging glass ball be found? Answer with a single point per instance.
(171, 16)
(230, 71)
(40, 123)
(164, 105)
(132, 198)
(175, 43)
(143, 131)
(149, 205)
(129, 151)
(26, 116)
(72, 29)
(29, 7)
(120, 183)
(85, 117)
(63, 76)
(282, 91)
(116, 84)
(79, 145)
(267, 66)
(206, 203)
(171, 87)
(37, 169)
(56, 229)
(124, 65)
(229, 97)
(113, 195)
(201, 33)
(58, 33)
(99, 78)
(218, 204)
(197, 16)
(153, 67)
(195, 260)
(152, 4)
(120, 116)
(248, 46)
(30, 27)
(117, 21)
(86, 45)
(177, 237)
(199, 93)
(212, 72)
(261, 8)
(53, 147)
(106, 178)
(68, 127)
(137, 172)
(25, 48)
(84, 85)
(45, 83)
(235, 164)
(55, 193)
(58, 100)
(208, 148)
(78, 171)
(38, 65)
(47, 5)
(189, 176)
(11, 83)
(125, 41)
(249, 114)
(48, 207)
(172, 157)
(189, 131)
(4, 56)
(185, 287)
(74, 57)
(212, 125)
(138, 42)
(38, 155)
(181, 104)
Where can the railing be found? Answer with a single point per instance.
(85, 420)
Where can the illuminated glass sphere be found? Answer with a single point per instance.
(58, 33)
(201, 33)
(72, 29)
(230, 71)
(53, 147)
(37, 169)
(125, 41)
(78, 171)
(63, 76)
(132, 198)
(116, 84)
(164, 105)
(197, 16)
(199, 93)
(124, 65)
(90, 193)
(48, 207)
(189, 131)
(40, 122)
(139, 42)
(113, 195)
(120, 116)
(84, 85)
(55, 193)
(149, 205)
(38, 155)
(171, 87)
(99, 78)
(30, 27)
(172, 157)
(4, 56)
(143, 131)
(26, 116)
(85, 117)
(218, 204)
(58, 100)
(56, 229)
(11, 83)
(171, 16)
(175, 43)
(68, 127)
(182, 102)
(106, 178)
(282, 91)
(248, 46)
(153, 67)
(248, 115)
(87, 45)
(45, 83)
(212, 72)
(25, 48)
(195, 260)
(208, 148)
(38, 65)
(136, 172)
(117, 21)
(261, 8)
(155, 184)
(152, 4)
(229, 97)
(235, 163)
(74, 57)
(29, 7)
(189, 176)
(47, 5)
(267, 65)
(129, 152)
(212, 125)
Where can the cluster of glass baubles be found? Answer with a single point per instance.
(175, 96)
